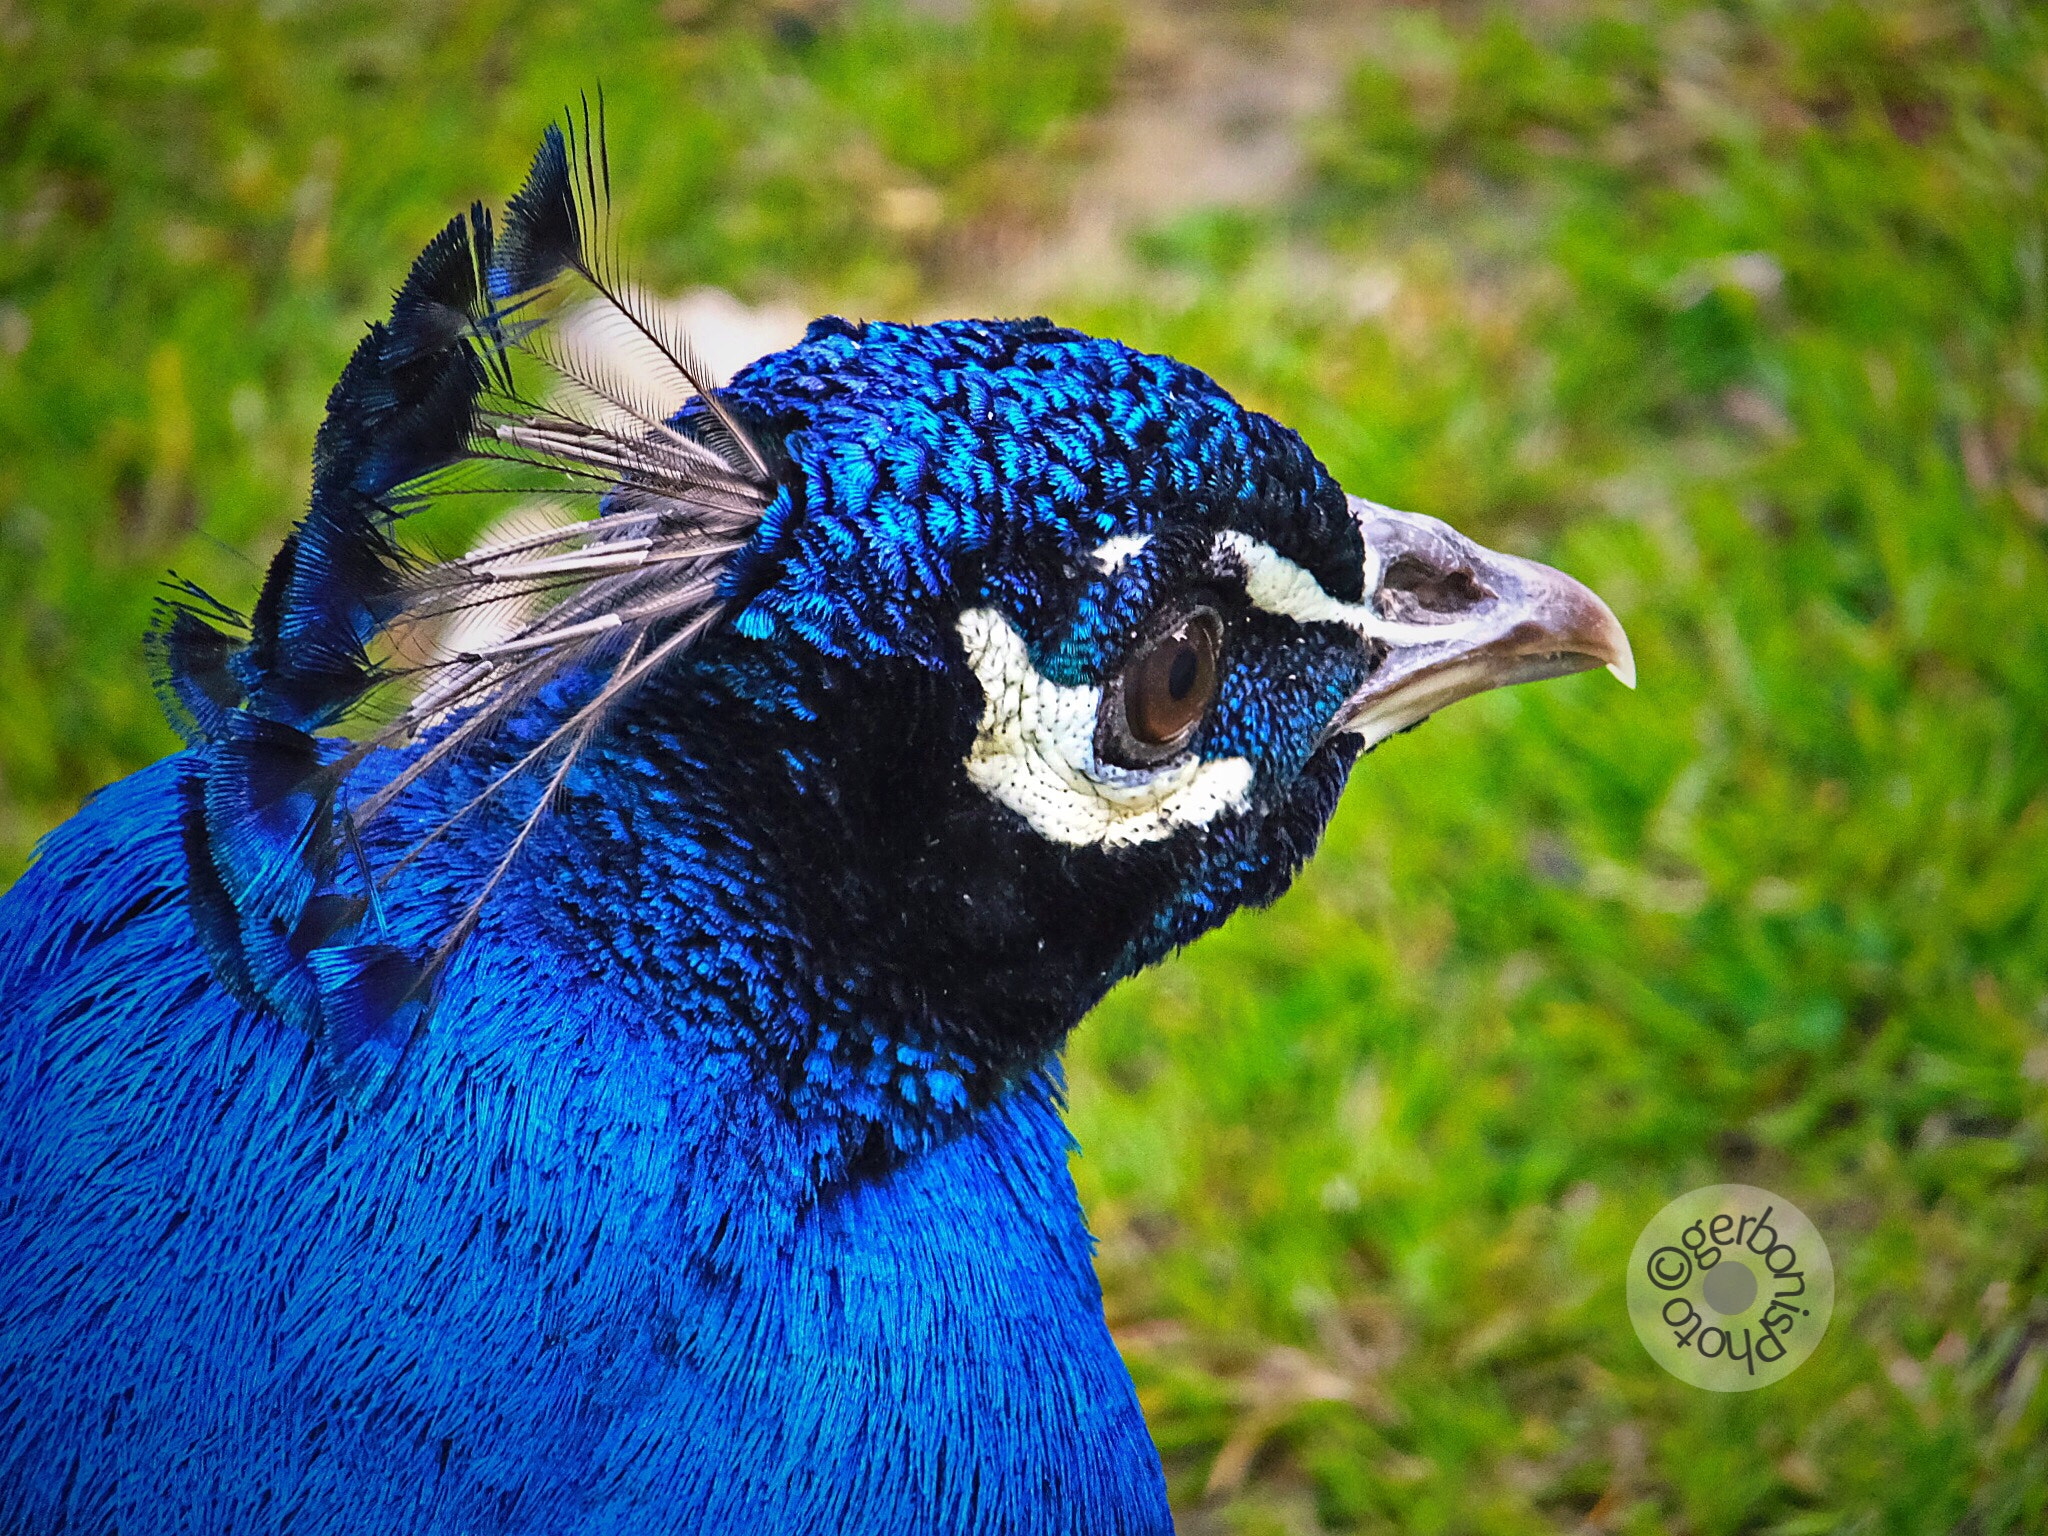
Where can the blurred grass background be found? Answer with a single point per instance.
(1739, 312)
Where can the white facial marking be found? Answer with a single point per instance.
(1110, 555)
(1035, 748)
(1035, 753)
(1278, 585)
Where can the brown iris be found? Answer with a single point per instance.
(1154, 704)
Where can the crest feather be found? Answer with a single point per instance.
(352, 626)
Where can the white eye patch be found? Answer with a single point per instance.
(1278, 585)
(1034, 752)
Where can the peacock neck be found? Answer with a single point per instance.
(855, 1235)
(765, 900)
(682, 888)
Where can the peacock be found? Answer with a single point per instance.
(572, 1042)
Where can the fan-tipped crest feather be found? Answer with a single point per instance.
(346, 612)
(543, 228)
(191, 648)
(373, 997)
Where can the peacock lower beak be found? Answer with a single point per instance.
(1458, 618)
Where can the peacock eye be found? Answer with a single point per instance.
(1152, 706)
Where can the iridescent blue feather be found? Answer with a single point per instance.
(429, 390)
(597, 1071)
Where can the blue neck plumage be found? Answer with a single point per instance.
(797, 1204)
(754, 911)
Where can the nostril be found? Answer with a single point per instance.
(1415, 591)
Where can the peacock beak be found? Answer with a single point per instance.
(1458, 618)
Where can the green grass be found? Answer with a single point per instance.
(1740, 313)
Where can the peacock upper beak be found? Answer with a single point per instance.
(1458, 618)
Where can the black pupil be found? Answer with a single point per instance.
(1185, 667)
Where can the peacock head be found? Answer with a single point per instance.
(1002, 657)
(1086, 648)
